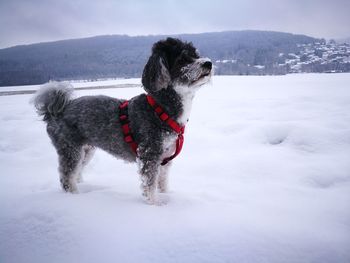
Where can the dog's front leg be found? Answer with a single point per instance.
(149, 171)
(163, 178)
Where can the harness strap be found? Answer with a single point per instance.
(124, 120)
(128, 138)
(180, 130)
(179, 144)
(165, 117)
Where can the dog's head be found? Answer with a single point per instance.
(175, 63)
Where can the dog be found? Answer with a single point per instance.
(76, 126)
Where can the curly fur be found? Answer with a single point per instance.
(172, 74)
(51, 99)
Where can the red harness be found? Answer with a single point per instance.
(124, 119)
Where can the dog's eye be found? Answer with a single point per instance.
(186, 57)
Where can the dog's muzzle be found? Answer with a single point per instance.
(207, 65)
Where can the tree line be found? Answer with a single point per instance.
(121, 56)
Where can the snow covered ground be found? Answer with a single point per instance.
(264, 177)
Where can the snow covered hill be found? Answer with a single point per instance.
(264, 177)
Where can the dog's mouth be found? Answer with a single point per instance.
(205, 74)
(201, 78)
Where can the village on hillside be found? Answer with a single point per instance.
(318, 57)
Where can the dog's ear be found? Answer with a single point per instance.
(156, 74)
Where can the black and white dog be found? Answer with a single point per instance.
(171, 77)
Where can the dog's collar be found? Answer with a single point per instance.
(176, 127)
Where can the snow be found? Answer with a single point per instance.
(77, 84)
(259, 66)
(264, 176)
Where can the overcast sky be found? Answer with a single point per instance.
(31, 21)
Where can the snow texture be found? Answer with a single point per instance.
(264, 176)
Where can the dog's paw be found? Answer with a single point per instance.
(70, 188)
(149, 198)
(162, 189)
(157, 199)
(163, 199)
(152, 198)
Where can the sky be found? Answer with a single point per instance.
(32, 21)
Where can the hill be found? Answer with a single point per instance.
(248, 52)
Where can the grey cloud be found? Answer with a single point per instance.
(29, 21)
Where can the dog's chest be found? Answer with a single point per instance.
(169, 143)
(186, 99)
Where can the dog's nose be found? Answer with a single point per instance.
(207, 65)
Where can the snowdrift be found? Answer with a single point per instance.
(264, 176)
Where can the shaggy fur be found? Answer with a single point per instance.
(76, 126)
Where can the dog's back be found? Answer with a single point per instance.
(87, 120)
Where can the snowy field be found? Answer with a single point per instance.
(264, 176)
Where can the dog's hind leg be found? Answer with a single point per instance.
(70, 153)
(87, 154)
(70, 164)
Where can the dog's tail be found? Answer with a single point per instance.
(51, 99)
